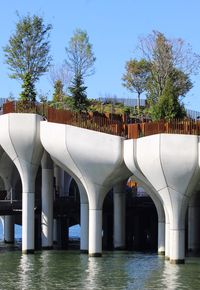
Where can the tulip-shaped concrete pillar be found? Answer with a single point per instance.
(119, 198)
(20, 139)
(130, 150)
(173, 170)
(194, 223)
(93, 158)
(47, 201)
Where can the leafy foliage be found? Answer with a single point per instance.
(136, 77)
(28, 49)
(80, 57)
(163, 73)
(28, 93)
(58, 91)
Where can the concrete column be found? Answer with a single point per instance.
(28, 216)
(161, 238)
(59, 176)
(28, 222)
(55, 237)
(167, 240)
(9, 229)
(177, 233)
(173, 171)
(119, 215)
(20, 138)
(84, 218)
(47, 201)
(95, 232)
(9, 226)
(67, 182)
(84, 227)
(97, 167)
(194, 223)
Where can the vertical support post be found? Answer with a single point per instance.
(84, 227)
(194, 224)
(9, 229)
(161, 238)
(119, 215)
(28, 216)
(95, 232)
(47, 202)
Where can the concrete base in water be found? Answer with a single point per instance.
(179, 261)
(47, 248)
(84, 251)
(8, 242)
(119, 248)
(95, 255)
(28, 251)
(161, 253)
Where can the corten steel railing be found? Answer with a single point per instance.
(188, 127)
(111, 124)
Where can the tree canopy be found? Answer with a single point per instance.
(166, 77)
(27, 51)
(135, 78)
(80, 57)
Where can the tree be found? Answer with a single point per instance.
(80, 62)
(58, 91)
(60, 73)
(168, 105)
(136, 76)
(80, 57)
(27, 52)
(78, 94)
(28, 93)
(171, 64)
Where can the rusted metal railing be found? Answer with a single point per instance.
(188, 127)
(111, 124)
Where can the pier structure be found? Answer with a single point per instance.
(165, 164)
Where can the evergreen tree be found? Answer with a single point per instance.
(28, 93)
(78, 93)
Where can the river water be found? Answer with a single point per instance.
(59, 269)
(115, 270)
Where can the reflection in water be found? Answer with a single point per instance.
(24, 271)
(170, 276)
(115, 270)
(92, 271)
(28, 272)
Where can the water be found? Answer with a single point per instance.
(115, 270)
(54, 270)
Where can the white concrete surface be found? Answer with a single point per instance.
(119, 200)
(47, 201)
(20, 139)
(91, 158)
(170, 164)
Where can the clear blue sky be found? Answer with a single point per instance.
(113, 27)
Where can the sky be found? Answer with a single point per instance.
(114, 27)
